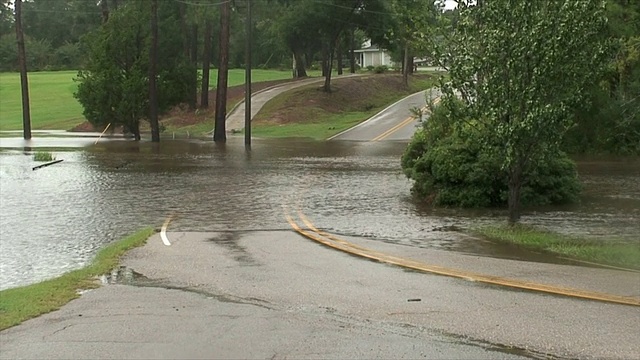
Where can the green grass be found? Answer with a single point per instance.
(604, 252)
(54, 107)
(325, 127)
(326, 123)
(52, 103)
(43, 156)
(236, 76)
(23, 303)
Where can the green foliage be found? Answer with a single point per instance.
(380, 69)
(113, 87)
(43, 156)
(521, 68)
(610, 122)
(451, 165)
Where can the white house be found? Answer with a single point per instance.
(372, 55)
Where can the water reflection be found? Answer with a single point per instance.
(54, 219)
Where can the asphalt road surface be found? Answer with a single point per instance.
(274, 294)
(396, 122)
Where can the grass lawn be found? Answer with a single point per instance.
(613, 253)
(307, 112)
(54, 107)
(26, 302)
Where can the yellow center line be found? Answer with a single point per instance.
(402, 124)
(334, 242)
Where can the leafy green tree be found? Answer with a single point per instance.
(521, 68)
(114, 85)
(6, 18)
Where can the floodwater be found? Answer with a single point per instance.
(55, 219)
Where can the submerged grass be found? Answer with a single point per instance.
(43, 156)
(26, 302)
(613, 253)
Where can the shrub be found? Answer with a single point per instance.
(43, 156)
(381, 69)
(452, 163)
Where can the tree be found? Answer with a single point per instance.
(413, 20)
(153, 64)
(114, 85)
(219, 131)
(521, 67)
(24, 82)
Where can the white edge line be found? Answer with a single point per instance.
(163, 232)
(377, 114)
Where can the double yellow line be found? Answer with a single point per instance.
(322, 237)
(402, 124)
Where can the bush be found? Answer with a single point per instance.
(381, 69)
(43, 156)
(370, 67)
(450, 164)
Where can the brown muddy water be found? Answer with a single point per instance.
(55, 219)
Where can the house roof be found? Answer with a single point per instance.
(369, 49)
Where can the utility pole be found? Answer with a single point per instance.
(247, 79)
(153, 61)
(219, 130)
(24, 82)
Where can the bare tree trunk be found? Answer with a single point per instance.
(193, 96)
(301, 69)
(339, 57)
(153, 61)
(219, 132)
(352, 51)
(206, 65)
(183, 28)
(515, 185)
(104, 7)
(24, 81)
(329, 65)
(405, 67)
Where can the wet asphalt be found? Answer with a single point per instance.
(275, 294)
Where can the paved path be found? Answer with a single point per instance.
(235, 119)
(396, 122)
(277, 295)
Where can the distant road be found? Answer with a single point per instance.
(395, 123)
(235, 119)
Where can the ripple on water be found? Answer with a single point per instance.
(55, 219)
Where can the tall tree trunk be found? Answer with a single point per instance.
(327, 70)
(183, 28)
(412, 66)
(206, 65)
(104, 8)
(153, 62)
(339, 57)
(352, 51)
(301, 69)
(323, 65)
(24, 81)
(193, 95)
(219, 132)
(405, 66)
(515, 185)
(135, 130)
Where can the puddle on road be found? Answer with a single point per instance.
(123, 275)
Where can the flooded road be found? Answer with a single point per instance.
(55, 219)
